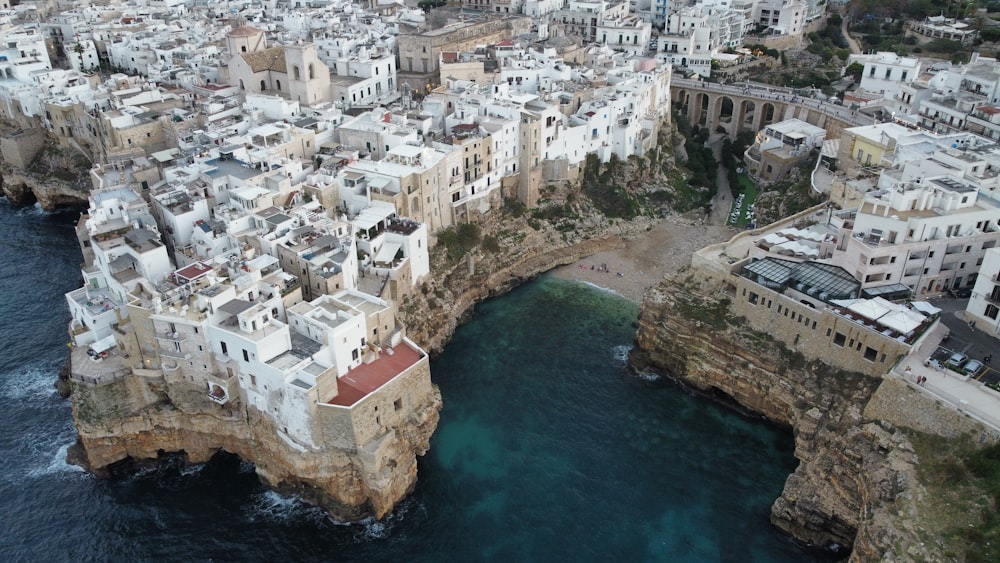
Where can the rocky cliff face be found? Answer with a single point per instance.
(856, 478)
(22, 188)
(133, 419)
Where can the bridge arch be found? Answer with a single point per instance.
(721, 113)
(746, 116)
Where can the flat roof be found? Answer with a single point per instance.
(235, 307)
(406, 150)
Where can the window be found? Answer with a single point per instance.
(753, 298)
(224, 349)
(246, 355)
(991, 311)
(398, 404)
(871, 354)
(839, 339)
(295, 72)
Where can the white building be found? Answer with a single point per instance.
(984, 304)
(885, 72)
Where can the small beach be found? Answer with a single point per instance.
(646, 259)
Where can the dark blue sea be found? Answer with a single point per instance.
(547, 449)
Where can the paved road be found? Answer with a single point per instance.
(723, 201)
(852, 42)
(963, 393)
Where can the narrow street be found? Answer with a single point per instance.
(724, 197)
(851, 42)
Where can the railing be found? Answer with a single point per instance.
(100, 379)
(175, 354)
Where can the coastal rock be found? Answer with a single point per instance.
(855, 473)
(22, 188)
(135, 418)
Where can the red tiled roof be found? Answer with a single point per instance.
(449, 56)
(194, 271)
(989, 110)
(362, 380)
(245, 31)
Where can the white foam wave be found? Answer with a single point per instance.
(57, 465)
(273, 506)
(371, 529)
(621, 352)
(189, 470)
(29, 382)
(600, 287)
(649, 376)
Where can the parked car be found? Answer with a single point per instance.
(960, 292)
(973, 367)
(957, 360)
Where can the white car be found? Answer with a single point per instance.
(973, 367)
(957, 360)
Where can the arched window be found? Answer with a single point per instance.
(263, 85)
(311, 73)
(277, 85)
(295, 72)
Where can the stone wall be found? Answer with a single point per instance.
(901, 404)
(816, 333)
(19, 149)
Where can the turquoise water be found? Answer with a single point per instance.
(552, 451)
(547, 450)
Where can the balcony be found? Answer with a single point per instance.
(174, 353)
(171, 336)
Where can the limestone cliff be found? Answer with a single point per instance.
(141, 417)
(22, 187)
(856, 484)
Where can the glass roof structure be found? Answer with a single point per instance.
(822, 281)
(891, 292)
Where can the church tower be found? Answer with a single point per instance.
(308, 76)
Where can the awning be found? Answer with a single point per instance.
(925, 307)
(869, 309)
(387, 252)
(901, 321)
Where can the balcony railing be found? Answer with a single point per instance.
(176, 354)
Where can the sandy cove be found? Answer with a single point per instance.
(646, 259)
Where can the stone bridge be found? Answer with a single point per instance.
(751, 107)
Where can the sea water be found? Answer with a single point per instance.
(548, 449)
